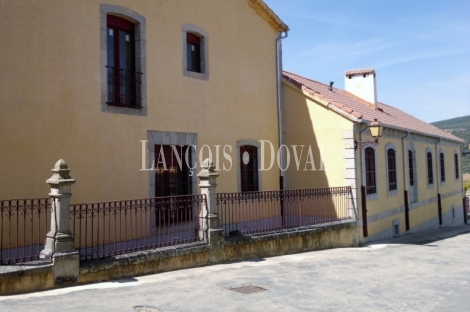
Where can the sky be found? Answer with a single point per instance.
(420, 49)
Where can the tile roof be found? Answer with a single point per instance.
(360, 71)
(356, 108)
(268, 14)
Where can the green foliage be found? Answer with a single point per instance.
(459, 127)
(466, 186)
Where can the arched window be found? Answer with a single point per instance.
(456, 165)
(371, 185)
(392, 169)
(411, 168)
(412, 173)
(443, 169)
(249, 168)
(429, 165)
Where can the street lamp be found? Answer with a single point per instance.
(376, 129)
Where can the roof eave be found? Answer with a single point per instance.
(459, 141)
(268, 15)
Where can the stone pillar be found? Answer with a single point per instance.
(207, 183)
(59, 240)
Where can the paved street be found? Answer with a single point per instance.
(425, 272)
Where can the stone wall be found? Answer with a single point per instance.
(40, 276)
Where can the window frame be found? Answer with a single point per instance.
(195, 30)
(388, 147)
(249, 142)
(139, 53)
(429, 169)
(414, 201)
(129, 91)
(442, 167)
(193, 40)
(171, 175)
(371, 195)
(457, 172)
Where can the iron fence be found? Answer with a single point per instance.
(24, 224)
(118, 227)
(254, 212)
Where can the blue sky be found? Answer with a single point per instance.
(420, 49)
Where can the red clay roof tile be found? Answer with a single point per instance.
(359, 71)
(387, 115)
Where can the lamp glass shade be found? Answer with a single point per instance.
(376, 130)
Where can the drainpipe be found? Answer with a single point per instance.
(405, 184)
(280, 113)
(365, 231)
(463, 188)
(438, 182)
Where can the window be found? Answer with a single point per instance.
(123, 81)
(429, 164)
(195, 52)
(171, 171)
(456, 165)
(412, 175)
(392, 170)
(249, 168)
(123, 61)
(411, 168)
(443, 170)
(371, 187)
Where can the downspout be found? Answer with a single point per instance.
(280, 113)
(438, 182)
(405, 184)
(365, 231)
(463, 188)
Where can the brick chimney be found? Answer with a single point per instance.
(361, 83)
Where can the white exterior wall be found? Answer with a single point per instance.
(363, 87)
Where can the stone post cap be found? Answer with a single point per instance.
(468, 193)
(60, 173)
(208, 169)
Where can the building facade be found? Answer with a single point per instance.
(409, 180)
(111, 87)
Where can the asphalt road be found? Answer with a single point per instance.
(429, 271)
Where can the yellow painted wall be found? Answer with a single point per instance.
(312, 124)
(50, 93)
(426, 211)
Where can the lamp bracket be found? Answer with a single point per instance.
(361, 144)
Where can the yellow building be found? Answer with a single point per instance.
(112, 86)
(411, 180)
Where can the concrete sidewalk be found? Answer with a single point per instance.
(428, 271)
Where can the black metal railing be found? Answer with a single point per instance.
(124, 87)
(118, 227)
(24, 224)
(254, 212)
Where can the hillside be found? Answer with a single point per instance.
(460, 127)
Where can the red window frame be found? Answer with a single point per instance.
(123, 83)
(249, 171)
(371, 185)
(193, 60)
